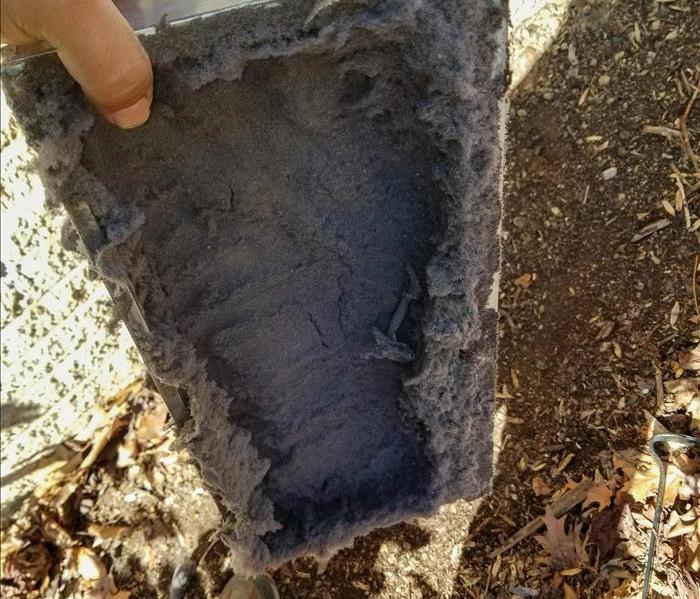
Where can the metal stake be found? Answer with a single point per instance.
(654, 442)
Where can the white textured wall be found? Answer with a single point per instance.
(534, 24)
(58, 355)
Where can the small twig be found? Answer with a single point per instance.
(178, 533)
(666, 132)
(683, 126)
(412, 293)
(488, 584)
(651, 228)
(472, 593)
(558, 507)
(694, 284)
(659, 388)
(686, 83)
(477, 530)
(216, 537)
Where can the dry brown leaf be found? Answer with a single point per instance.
(496, 566)
(540, 487)
(524, 280)
(681, 393)
(125, 394)
(504, 394)
(90, 568)
(642, 479)
(690, 360)
(61, 484)
(568, 486)
(52, 531)
(28, 568)
(689, 487)
(623, 591)
(606, 529)
(11, 543)
(694, 410)
(617, 349)
(642, 475)
(117, 422)
(569, 592)
(106, 532)
(599, 493)
(683, 528)
(87, 564)
(691, 549)
(563, 464)
(654, 427)
(580, 542)
(150, 425)
(562, 548)
(147, 431)
(673, 315)
(571, 571)
(668, 207)
(678, 586)
(686, 462)
(127, 451)
(606, 329)
(54, 468)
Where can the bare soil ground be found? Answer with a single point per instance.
(598, 333)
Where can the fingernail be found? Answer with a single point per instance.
(131, 117)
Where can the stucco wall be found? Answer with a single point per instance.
(58, 354)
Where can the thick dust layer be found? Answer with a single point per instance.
(309, 224)
(280, 237)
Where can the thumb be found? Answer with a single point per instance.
(96, 45)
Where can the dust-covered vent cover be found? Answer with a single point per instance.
(308, 224)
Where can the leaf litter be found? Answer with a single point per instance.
(88, 507)
(605, 531)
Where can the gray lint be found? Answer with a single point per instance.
(309, 222)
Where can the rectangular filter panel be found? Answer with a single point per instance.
(308, 224)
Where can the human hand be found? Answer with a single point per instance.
(97, 47)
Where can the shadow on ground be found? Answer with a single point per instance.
(582, 336)
(351, 573)
(584, 320)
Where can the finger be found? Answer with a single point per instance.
(99, 49)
